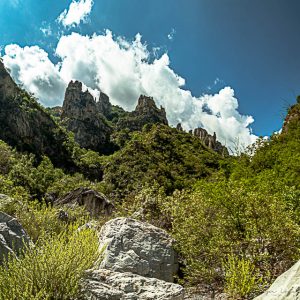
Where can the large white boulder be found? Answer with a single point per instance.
(285, 287)
(106, 284)
(139, 248)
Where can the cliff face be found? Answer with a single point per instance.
(146, 112)
(82, 116)
(208, 140)
(293, 116)
(104, 106)
(26, 125)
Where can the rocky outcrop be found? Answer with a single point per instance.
(146, 112)
(80, 115)
(105, 284)
(139, 248)
(104, 105)
(285, 287)
(210, 141)
(179, 127)
(139, 262)
(8, 88)
(293, 116)
(12, 236)
(26, 125)
(95, 203)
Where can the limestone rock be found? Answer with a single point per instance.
(139, 248)
(104, 105)
(26, 125)
(146, 112)
(80, 115)
(8, 88)
(293, 117)
(94, 202)
(285, 287)
(210, 141)
(179, 127)
(12, 236)
(105, 284)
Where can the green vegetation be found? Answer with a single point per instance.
(52, 269)
(236, 220)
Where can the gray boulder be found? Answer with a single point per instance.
(139, 248)
(285, 287)
(105, 284)
(12, 236)
(94, 202)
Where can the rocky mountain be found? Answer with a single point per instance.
(83, 116)
(292, 117)
(146, 112)
(26, 125)
(208, 140)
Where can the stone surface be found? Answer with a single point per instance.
(80, 114)
(105, 284)
(104, 105)
(210, 141)
(146, 112)
(292, 117)
(12, 236)
(94, 202)
(139, 248)
(285, 287)
(26, 125)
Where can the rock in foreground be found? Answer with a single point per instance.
(139, 248)
(12, 236)
(285, 287)
(105, 284)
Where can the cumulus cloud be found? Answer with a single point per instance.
(123, 69)
(77, 12)
(31, 67)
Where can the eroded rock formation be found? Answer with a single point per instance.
(146, 112)
(26, 125)
(80, 114)
(95, 203)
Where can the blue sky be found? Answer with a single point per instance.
(250, 46)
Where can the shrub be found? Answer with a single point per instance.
(245, 217)
(241, 277)
(40, 219)
(52, 269)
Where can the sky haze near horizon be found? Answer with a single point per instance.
(238, 52)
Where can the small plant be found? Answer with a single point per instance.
(241, 277)
(52, 269)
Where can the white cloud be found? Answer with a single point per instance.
(172, 34)
(31, 67)
(123, 70)
(46, 29)
(77, 12)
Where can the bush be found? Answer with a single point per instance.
(223, 217)
(40, 219)
(241, 277)
(52, 269)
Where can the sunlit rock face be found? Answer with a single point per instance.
(81, 115)
(146, 112)
(26, 125)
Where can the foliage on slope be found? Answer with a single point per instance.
(161, 154)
